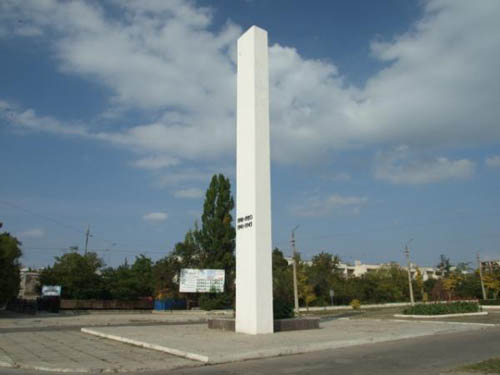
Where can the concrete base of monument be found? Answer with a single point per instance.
(198, 342)
(280, 325)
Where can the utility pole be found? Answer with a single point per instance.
(294, 265)
(87, 235)
(407, 252)
(481, 275)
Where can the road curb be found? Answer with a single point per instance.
(6, 361)
(491, 307)
(440, 316)
(60, 369)
(447, 322)
(6, 364)
(142, 344)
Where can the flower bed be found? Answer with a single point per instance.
(443, 308)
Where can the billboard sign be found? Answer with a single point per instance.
(201, 281)
(51, 290)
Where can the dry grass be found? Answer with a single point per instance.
(490, 366)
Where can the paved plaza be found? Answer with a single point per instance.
(56, 343)
(53, 342)
(214, 346)
(15, 321)
(72, 351)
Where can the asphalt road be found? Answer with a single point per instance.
(425, 355)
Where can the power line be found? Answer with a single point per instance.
(73, 228)
(275, 244)
(42, 216)
(386, 227)
(111, 250)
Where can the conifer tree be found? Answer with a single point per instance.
(216, 237)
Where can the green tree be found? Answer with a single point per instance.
(79, 275)
(321, 275)
(492, 283)
(304, 288)
(9, 266)
(142, 270)
(216, 237)
(188, 252)
(444, 265)
(419, 282)
(386, 284)
(130, 282)
(469, 286)
(166, 277)
(209, 246)
(451, 282)
(282, 286)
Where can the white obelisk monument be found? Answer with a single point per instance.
(254, 284)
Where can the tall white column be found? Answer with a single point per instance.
(254, 284)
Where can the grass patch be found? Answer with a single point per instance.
(443, 308)
(491, 366)
(490, 302)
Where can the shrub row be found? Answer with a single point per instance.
(442, 308)
(490, 302)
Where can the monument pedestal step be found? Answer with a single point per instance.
(280, 325)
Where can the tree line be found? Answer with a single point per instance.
(211, 244)
(85, 277)
(208, 245)
(10, 267)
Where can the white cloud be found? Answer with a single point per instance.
(29, 120)
(189, 193)
(341, 177)
(334, 203)
(155, 162)
(155, 216)
(157, 57)
(401, 166)
(32, 233)
(194, 213)
(493, 162)
(183, 176)
(439, 87)
(422, 98)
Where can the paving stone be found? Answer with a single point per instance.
(70, 350)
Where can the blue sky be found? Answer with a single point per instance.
(384, 123)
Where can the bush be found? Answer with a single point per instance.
(442, 308)
(282, 309)
(355, 304)
(490, 302)
(215, 301)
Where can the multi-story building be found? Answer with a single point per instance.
(490, 265)
(359, 269)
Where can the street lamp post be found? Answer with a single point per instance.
(481, 276)
(294, 265)
(407, 252)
